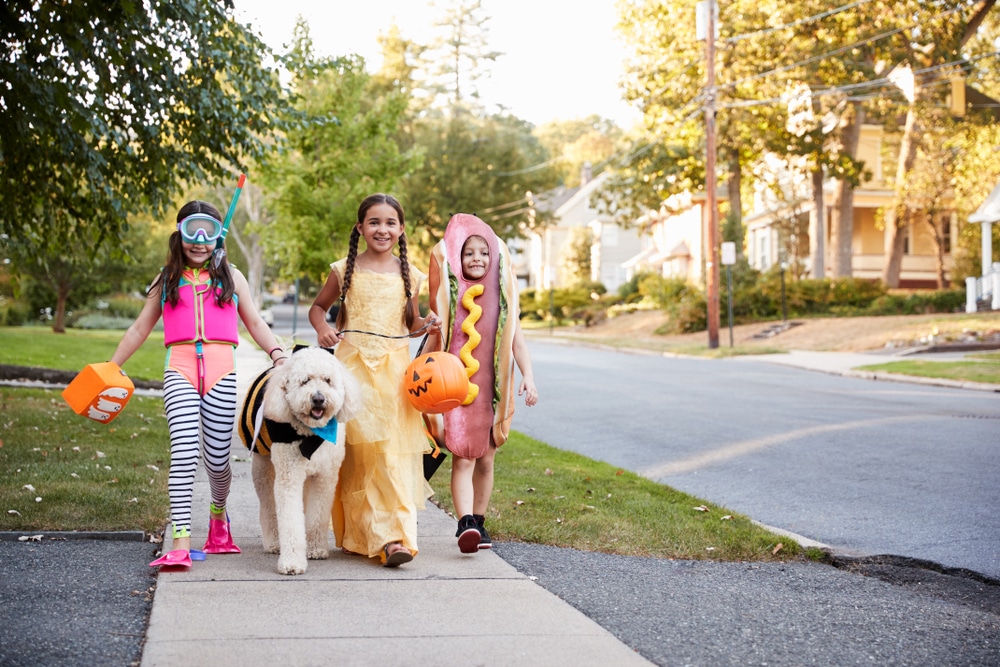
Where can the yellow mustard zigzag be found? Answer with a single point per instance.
(469, 328)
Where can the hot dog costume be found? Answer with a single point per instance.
(479, 321)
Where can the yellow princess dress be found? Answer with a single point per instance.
(381, 484)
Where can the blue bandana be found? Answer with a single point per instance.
(328, 432)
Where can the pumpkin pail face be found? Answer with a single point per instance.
(436, 382)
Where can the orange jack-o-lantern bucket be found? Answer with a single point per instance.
(436, 382)
(99, 391)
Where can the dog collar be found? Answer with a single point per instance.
(283, 432)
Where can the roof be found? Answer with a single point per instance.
(989, 210)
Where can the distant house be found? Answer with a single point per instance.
(919, 267)
(575, 221)
(671, 240)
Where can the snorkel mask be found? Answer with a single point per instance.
(200, 228)
(203, 229)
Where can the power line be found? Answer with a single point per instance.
(810, 19)
(834, 52)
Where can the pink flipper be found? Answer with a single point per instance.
(175, 558)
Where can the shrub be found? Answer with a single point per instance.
(14, 313)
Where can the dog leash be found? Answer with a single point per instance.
(372, 333)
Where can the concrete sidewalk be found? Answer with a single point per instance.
(443, 608)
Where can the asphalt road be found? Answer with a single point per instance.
(864, 467)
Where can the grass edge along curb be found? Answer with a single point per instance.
(545, 495)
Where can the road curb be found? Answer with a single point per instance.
(39, 535)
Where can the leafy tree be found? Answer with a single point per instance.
(576, 259)
(575, 143)
(459, 57)
(109, 108)
(473, 162)
(345, 150)
(481, 165)
(936, 36)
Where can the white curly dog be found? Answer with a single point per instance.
(293, 411)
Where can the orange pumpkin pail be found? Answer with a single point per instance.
(99, 391)
(436, 382)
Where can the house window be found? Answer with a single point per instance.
(906, 240)
(946, 235)
(762, 253)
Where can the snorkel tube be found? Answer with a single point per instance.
(219, 253)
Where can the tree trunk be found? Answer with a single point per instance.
(842, 213)
(817, 227)
(895, 229)
(59, 323)
(937, 233)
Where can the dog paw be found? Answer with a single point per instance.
(290, 567)
(272, 549)
(318, 554)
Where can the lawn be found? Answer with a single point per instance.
(61, 471)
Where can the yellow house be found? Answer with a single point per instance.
(868, 241)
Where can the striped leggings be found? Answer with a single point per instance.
(189, 416)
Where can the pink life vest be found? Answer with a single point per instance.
(198, 317)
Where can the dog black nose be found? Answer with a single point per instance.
(318, 400)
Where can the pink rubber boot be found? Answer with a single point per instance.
(220, 540)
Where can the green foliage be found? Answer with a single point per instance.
(108, 113)
(345, 151)
(912, 303)
(565, 304)
(474, 164)
(84, 475)
(987, 371)
(13, 313)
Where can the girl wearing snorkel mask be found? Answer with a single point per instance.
(200, 298)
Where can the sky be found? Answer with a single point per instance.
(562, 60)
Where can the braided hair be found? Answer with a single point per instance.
(409, 314)
(169, 284)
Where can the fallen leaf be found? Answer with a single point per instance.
(559, 497)
(73, 474)
(777, 549)
(14, 512)
(152, 467)
(619, 472)
(709, 548)
(76, 449)
(726, 518)
(101, 455)
(558, 520)
(548, 471)
(518, 502)
(701, 508)
(28, 487)
(134, 500)
(530, 489)
(38, 499)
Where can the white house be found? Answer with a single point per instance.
(573, 216)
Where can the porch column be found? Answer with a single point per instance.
(987, 245)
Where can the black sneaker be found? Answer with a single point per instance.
(485, 541)
(468, 535)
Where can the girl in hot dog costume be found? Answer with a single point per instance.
(474, 291)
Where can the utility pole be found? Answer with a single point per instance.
(712, 213)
